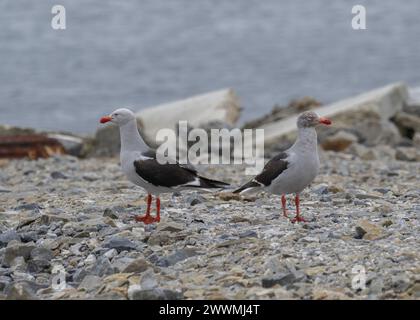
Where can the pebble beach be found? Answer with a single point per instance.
(77, 215)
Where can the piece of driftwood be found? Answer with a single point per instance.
(31, 146)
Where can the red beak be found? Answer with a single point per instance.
(105, 119)
(325, 121)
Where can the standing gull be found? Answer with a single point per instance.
(294, 169)
(141, 167)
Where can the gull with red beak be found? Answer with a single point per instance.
(294, 169)
(140, 165)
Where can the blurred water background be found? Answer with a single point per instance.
(141, 53)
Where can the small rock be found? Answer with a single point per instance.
(4, 282)
(90, 259)
(148, 280)
(37, 266)
(137, 266)
(363, 152)
(309, 239)
(228, 196)
(282, 279)
(368, 231)
(110, 253)
(75, 249)
(4, 189)
(29, 207)
(194, 199)
(325, 199)
(30, 236)
(14, 250)
(416, 141)
(103, 267)
(176, 257)
(79, 275)
(248, 234)
(41, 254)
(136, 293)
(58, 175)
(400, 283)
(120, 244)
(239, 219)
(313, 271)
(90, 283)
(18, 265)
(386, 223)
(382, 190)
(363, 196)
(90, 177)
(325, 294)
(160, 238)
(120, 263)
(109, 213)
(407, 154)
(20, 291)
(8, 236)
(360, 202)
(320, 189)
(169, 226)
(376, 286)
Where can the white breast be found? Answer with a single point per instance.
(302, 170)
(127, 166)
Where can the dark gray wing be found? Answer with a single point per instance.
(271, 171)
(171, 174)
(164, 175)
(152, 154)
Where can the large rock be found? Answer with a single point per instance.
(199, 110)
(413, 104)
(407, 123)
(282, 112)
(25, 142)
(214, 107)
(407, 154)
(368, 114)
(73, 145)
(339, 141)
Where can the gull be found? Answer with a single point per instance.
(294, 169)
(141, 166)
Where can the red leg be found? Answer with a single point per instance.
(283, 204)
(146, 218)
(298, 218)
(157, 219)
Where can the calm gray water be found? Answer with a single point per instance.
(141, 53)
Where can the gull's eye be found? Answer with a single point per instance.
(116, 114)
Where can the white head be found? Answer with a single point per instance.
(119, 117)
(310, 119)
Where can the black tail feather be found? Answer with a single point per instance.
(250, 184)
(209, 183)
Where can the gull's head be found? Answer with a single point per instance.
(310, 119)
(119, 117)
